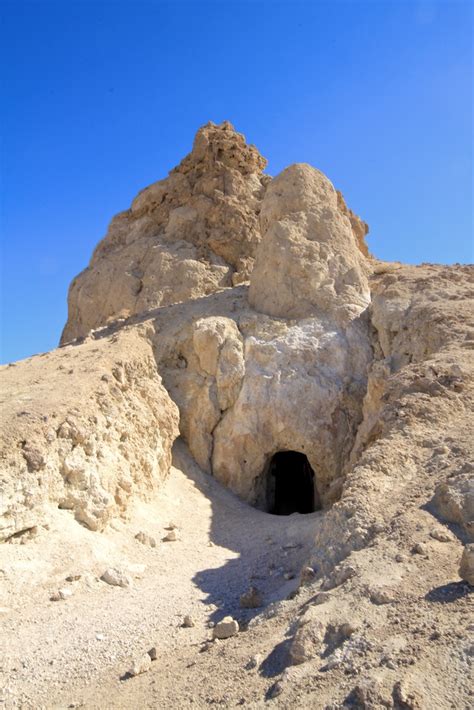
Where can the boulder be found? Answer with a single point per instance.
(308, 262)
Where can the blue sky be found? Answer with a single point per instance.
(102, 98)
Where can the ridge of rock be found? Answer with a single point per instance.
(184, 237)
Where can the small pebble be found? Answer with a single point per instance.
(140, 665)
(226, 628)
(170, 537)
(153, 653)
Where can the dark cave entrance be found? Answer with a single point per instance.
(290, 484)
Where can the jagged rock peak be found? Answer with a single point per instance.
(221, 145)
(183, 237)
(198, 230)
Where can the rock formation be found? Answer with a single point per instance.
(183, 237)
(86, 431)
(245, 314)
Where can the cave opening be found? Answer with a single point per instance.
(290, 484)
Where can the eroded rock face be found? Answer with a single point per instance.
(249, 385)
(87, 429)
(308, 263)
(197, 232)
(183, 237)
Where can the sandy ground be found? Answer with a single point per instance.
(75, 653)
(55, 653)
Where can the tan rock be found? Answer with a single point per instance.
(183, 237)
(466, 568)
(116, 577)
(140, 665)
(99, 443)
(307, 642)
(308, 262)
(226, 628)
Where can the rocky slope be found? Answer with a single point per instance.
(245, 314)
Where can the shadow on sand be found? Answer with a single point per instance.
(267, 547)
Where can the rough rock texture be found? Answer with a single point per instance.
(366, 367)
(308, 262)
(86, 429)
(183, 237)
(248, 386)
(466, 568)
(186, 236)
(359, 227)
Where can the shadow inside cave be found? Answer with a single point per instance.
(269, 548)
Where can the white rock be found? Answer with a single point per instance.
(440, 535)
(170, 537)
(226, 628)
(65, 592)
(116, 577)
(140, 665)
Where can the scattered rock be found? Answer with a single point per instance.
(251, 599)
(145, 539)
(188, 622)
(406, 698)
(419, 549)
(171, 526)
(440, 535)
(73, 577)
(140, 665)
(275, 690)
(153, 653)
(381, 595)
(367, 696)
(340, 575)
(253, 662)
(466, 568)
(226, 628)
(116, 578)
(61, 594)
(307, 642)
(322, 598)
(34, 458)
(170, 537)
(307, 575)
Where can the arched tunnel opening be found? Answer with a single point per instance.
(290, 484)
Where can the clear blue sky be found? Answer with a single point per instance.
(100, 99)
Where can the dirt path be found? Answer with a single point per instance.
(60, 653)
